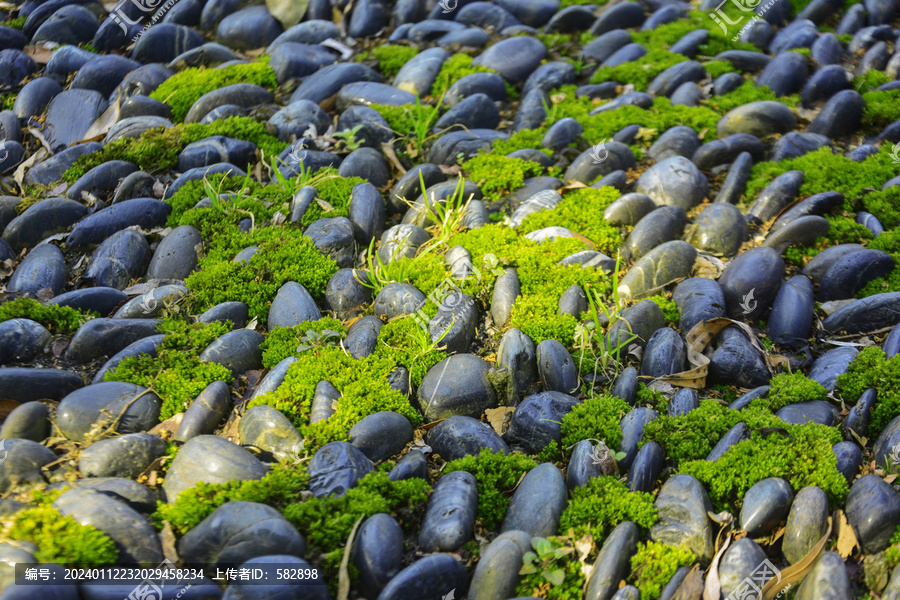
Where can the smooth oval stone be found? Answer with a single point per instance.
(42, 220)
(738, 433)
(806, 523)
(739, 562)
(626, 385)
(413, 464)
(840, 116)
(295, 588)
(368, 164)
(831, 365)
(244, 95)
(628, 592)
(176, 255)
(629, 209)
(736, 180)
(573, 301)
(28, 421)
(869, 220)
(205, 412)
(333, 237)
(362, 337)
(661, 266)
(292, 60)
(397, 299)
(648, 464)
(102, 179)
(274, 378)
(824, 83)
(133, 536)
(816, 268)
(146, 213)
(291, 306)
(237, 531)
(216, 149)
(458, 436)
(378, 551)
(698, 299)
(65, 124)
(42, 268)
(591, 164)
(22, 340)
(295, 118)
(796, 144)
(497, 572)
(325, 398)
(119, 259)
(827, 580)
(785, 75)
(556, 367)
(776, 196)
(873, 509)
(849, 459)
(135, 407)
(417, 76)
(210, 459)
(249, 28)
(345, 294)
(165, 41)
(367, 212)
(816, 411)
(632, 426)
(620, 16)
(434, 572)
(99, 299)
(125, 456)
(683, 506)
(659, 226)
(52, 169)
(675, 181)
(757, 118)
(857, 420)
(150, 304)
(586, 463)
(537, 503)
(745, 400)
(676, 141)
(562, 133)
(613, 562)
(536, 421)
(327, 82)
(765, 505)
(454, 326)
(506, 289)
(517, 354)
(665, 354)
(850, 273)
(726, 83)
(381, 435)
(26, 385)
(720, 229)
(449, 520)
(751, 281)
(672, 78)
(528, 53)
(792, 312)
(684, 401)
(22, 463)
(147, 345)
(237, 350)
(335, 468)
(817, 204)
(635, 325)
(407, 189)
(269, 430)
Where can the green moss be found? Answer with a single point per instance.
(455, 68)
(401, 340)
(363, 385)
(282, 342)
(556, 572)
(595, 418)
(59, 538)
(663, 36)
(59, 320)
(790, 388)
(667, 306)
(326, 522)
(871, 80)
(691, 436)
(176, 374)
(183, 89)
(581, 211)
(17, 23)
(717, 68)
(654, 564)
(652, 398)
(749, 92)
(391, 58)
(498, 175)
(9, 101)
(884, 204)
(801, 454)
(882, 109)
(284, 255)
(844, 230)
(158, 149)
(601, 504)
(891, 283)
(872, 369)
(826, 171)
(521, 140)
(279, 487)
(497, 475)
(639, 72)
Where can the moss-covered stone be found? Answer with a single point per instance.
(61, 320)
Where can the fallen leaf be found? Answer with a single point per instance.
(499, 418)
(103, 123)
(167, 538)
(288, 12)
(713, 588)
(38, 156)
(846, 536)
(325, 205)
(692, 586)
(38, 54)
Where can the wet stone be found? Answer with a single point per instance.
(450, 516)
(125, 456)
(381, 435)
(683, 507)
(766, 504)
(267, 429)
(458, 436)
(536, 421)
(537, 503)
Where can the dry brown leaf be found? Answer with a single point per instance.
(103, 123)
(846, 541)
(38, 54)
(692, 586)
(38, 156)
(499, 418)
(167, 538)
(797, 571)
(343, 572)
(713, 588)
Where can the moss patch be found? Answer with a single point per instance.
(602, 503)
(391, 58)
(872, 369)
(499, 175)
(59, 320)
(595, 418)
(497, 475)
(654, 564)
